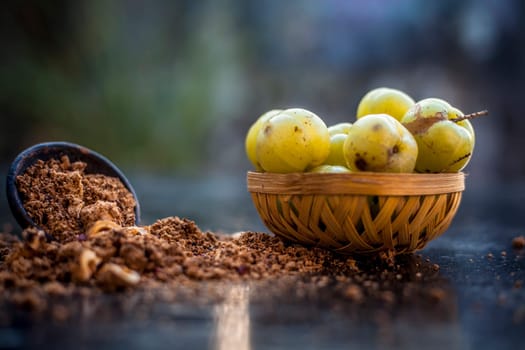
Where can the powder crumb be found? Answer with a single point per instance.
(30, 300)
(55, 289)
(388, 256)
(60, 313)
(354, 293)
(519, 315)
(100, 210)
(502, 299)
(518, 242)
(436, 294)
(388, 297)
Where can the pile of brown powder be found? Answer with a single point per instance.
(114, 258)
(63, 200)
(98, 250)
(175, 252)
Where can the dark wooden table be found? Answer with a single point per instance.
(477, 263)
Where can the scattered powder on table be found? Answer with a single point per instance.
(174, 252)
(98, 250)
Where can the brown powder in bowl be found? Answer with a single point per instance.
(63, 200)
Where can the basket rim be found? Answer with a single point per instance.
(359, 183)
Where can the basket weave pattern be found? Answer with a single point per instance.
(357, 213)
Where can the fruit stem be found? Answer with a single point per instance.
(470, 116)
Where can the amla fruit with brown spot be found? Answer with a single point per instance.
(293, 140)
(445, 137)
(380, 143)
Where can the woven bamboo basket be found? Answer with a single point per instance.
(357, 213)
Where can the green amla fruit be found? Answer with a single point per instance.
(385, 100)
(336, 156)
(251, 136)
(292, 141)
(445, 139)
(340, 128)
(379, 142)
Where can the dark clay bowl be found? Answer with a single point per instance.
(96, 164)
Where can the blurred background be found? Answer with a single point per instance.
(171, 87)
